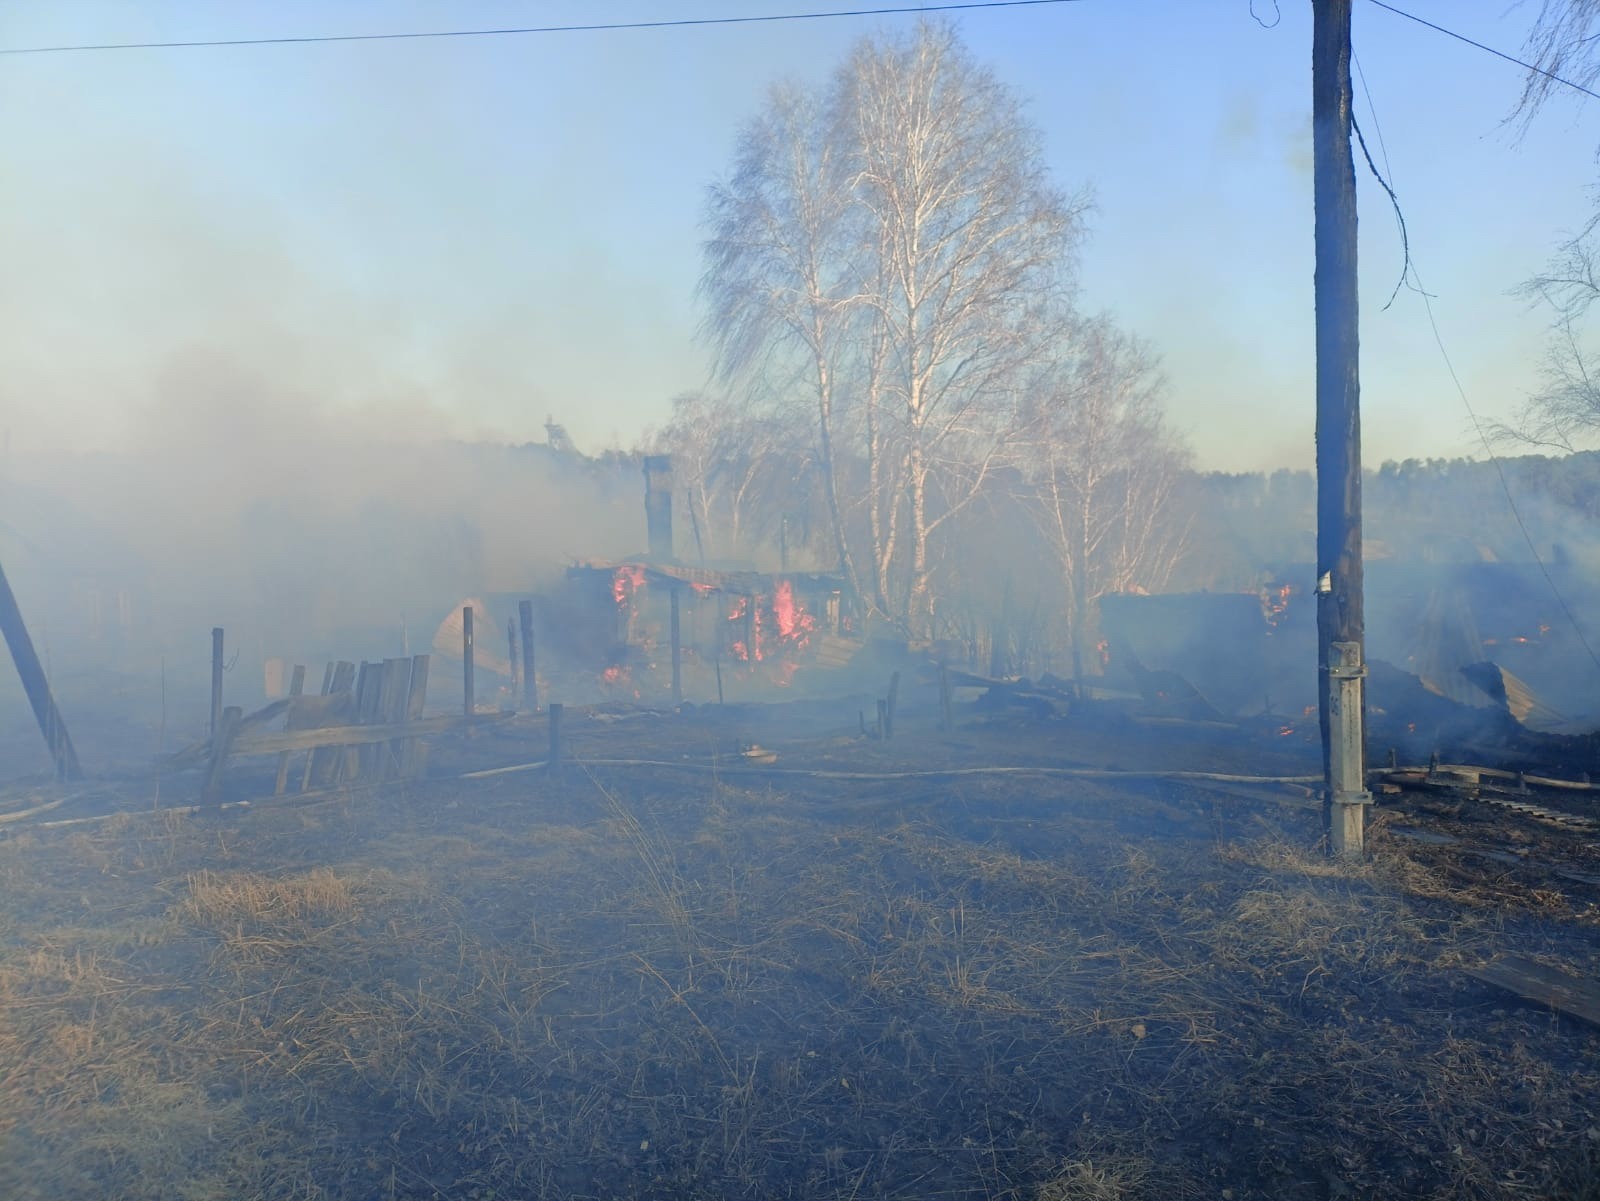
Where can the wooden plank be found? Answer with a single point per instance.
(322, 769)
(1544, 985)
(392, 712)
(348, 761)
(417, 699)
(36, 685)
(222, 744)
(413, 756)
(353, 736)
(200, 752)
(513, 658)
(297, 685)
(372, 686)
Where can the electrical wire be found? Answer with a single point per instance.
(1461, 37)
(414, 35)
(1466, 403)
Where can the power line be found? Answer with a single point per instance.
(1461, 37)
(677, 23)
(1472, 414)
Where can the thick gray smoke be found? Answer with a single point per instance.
(306, 533)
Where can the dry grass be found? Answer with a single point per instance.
(662, 994)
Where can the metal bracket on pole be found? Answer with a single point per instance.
(1347, 783)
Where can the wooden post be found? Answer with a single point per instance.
(468, 701)
(353, 761)
(946, 716)
(530, 681)
(417, 696)
(322, 765)
(36, 685)
(677, 652)
(297, 687)
(555, 736)
(512, 657)
(393, 702)
(1340, 611)
(416, 702)
(216, 678)
(221, 745)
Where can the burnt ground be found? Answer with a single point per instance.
(702, 977)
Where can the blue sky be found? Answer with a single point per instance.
(464, 236)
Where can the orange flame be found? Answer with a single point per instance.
(1274, 601)
(626, 582)
(794, 623)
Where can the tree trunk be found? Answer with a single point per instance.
(917, 611)
(841, 542)
(1080, 600)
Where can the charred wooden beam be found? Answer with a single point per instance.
(216, 678)
(658, 504)
(36, 685)
(297, 686)
(1544, 985)
(222, 744)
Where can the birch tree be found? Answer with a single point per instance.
(779, 273)
(1100, 475)
(1563, 411)
(972, 255)
(742, 473)
(890, 246)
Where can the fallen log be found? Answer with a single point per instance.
(1544, 985)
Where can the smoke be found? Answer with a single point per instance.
(306, 530)
(212, 416)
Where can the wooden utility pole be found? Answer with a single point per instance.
(36, 685)
(217, 665)
(1341, 623)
